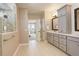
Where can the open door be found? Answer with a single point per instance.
(34, 30)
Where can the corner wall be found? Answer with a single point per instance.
(23, 25)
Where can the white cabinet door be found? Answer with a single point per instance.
(73, 48)
(50, 37)
(52, 40)
(62, 42)
(62, 47)
(62, 24)
(64, 19)
(56, 40)
(62, 39)
(62, 12)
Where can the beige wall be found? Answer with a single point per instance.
(9, 46)
(23, 23)
(34, 16)
(38, 16)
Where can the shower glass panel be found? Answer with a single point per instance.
(7, 17)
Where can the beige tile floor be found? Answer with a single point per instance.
(35, 48)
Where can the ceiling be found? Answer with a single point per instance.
(33, 6)
(37, 7)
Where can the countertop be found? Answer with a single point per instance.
(72, 35)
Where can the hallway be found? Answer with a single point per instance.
(26, 29)
(40, 48)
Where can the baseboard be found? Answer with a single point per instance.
(23, 44)
(16, 50)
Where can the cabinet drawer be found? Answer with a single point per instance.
(72, 48)
(50, 39)
(73, 38)
(55, 38)
(56, 43)
(48, 33)
(62, 47)
(62, 36)
(62, 41)
(55, 35)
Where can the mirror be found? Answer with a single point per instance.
(55, 23)
(76, 11)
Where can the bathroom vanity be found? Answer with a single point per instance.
(67, 43)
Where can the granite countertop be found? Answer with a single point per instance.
(72, 35)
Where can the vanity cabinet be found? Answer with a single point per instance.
(65, 42)
(73, 46)
(62, 42)
(50, 38)
(56, 40)
(64, 16)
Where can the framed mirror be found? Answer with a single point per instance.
(55, 23)
(76, 14)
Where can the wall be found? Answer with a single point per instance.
(75, 5)
(12, 40)
(50, 12)
(40, 18)
(23, 23)
(9, 46)
(34, 16)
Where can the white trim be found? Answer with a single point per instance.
(14, 54)
(23, 44)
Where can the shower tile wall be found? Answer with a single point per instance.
(7, 17)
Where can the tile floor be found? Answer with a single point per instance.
(41, 48)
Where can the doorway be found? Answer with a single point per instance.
(34, 29)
